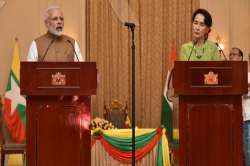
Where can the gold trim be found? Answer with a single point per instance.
(58, 79)
(211, 78)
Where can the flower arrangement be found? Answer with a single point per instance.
(99, 123)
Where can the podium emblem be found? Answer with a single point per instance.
(211, 78)
(58, 79)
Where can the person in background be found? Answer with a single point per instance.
(237, 55)
(200, 48)
(54, 45)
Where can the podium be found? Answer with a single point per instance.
(210, 112)
(55, 132)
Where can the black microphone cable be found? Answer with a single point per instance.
(73, 49)
(220, 49)
(194, 43)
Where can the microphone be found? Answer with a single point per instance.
(220, 49)
(44, 55)
(194, 43)
(129, 24)
(73, 49)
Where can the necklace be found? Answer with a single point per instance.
(199, 52)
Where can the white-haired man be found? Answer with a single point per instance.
(54, 45)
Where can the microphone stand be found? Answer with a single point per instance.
(221, 51)
(131, 26)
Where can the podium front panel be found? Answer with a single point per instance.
(58, 78)
(55, 131)
(210, 78)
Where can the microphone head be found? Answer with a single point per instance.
(129, 24)
(217, 44)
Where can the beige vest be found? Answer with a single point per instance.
(59, 51)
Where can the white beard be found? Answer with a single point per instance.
(55, 31)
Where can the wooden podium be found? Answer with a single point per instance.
(55, 133)
(210, 112)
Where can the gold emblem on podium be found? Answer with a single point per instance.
(58, 79)
(211, 78)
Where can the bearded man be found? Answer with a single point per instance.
(54, 45)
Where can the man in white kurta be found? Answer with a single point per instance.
(54, 45)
